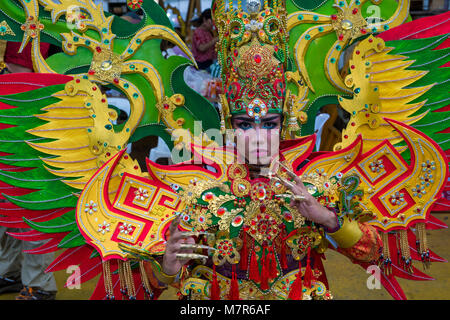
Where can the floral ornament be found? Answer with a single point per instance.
(397, 198)
(134, 4)
(103, 227)
(126, 228)
(418, 191)
(426, 179)
(226, 252)
(90, 207)
(141, 194)
(428, 166)
(200, 218)
(376, 166)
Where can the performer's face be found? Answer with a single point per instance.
(257, 142)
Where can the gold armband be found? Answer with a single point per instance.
(348, 234)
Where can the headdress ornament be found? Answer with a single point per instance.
(252, 51)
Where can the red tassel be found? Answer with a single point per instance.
(264, 273)
(244, 253)
(254, 269)
(234, 288)
(215, 288)
(296, 291)
(273, 271)
(308, 272)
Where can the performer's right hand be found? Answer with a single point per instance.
(172, 263)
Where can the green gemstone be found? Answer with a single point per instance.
(145, 70)
(106, 41)
(104, 30)
(76, 39)
(138, 41)
(300, 17)
(315, 18)
(126, 85)
(135, 95)
(87, 42)
(130, 51)
(108, 127)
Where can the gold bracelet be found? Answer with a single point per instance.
(160, 274)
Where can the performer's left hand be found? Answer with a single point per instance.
(307, 205)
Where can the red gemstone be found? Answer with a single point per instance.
(333, 17)
(370, 40)
(136, 167)
(103, 100)
(98, 49)
(257, 58)
(352, 66)
(116, 80)
(77, 81)
(357, 52)
(341, 37)
(32, 26)
(91, 72)
(355, 11)
(363, 31)
(346, 137)
(166, 106)
(94, 88)
(353, 124)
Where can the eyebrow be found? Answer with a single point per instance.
(253, 120)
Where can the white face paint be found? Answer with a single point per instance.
(257, 143)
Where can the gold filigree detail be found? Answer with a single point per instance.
(5, 29)
(218, 201)
(224, 222)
